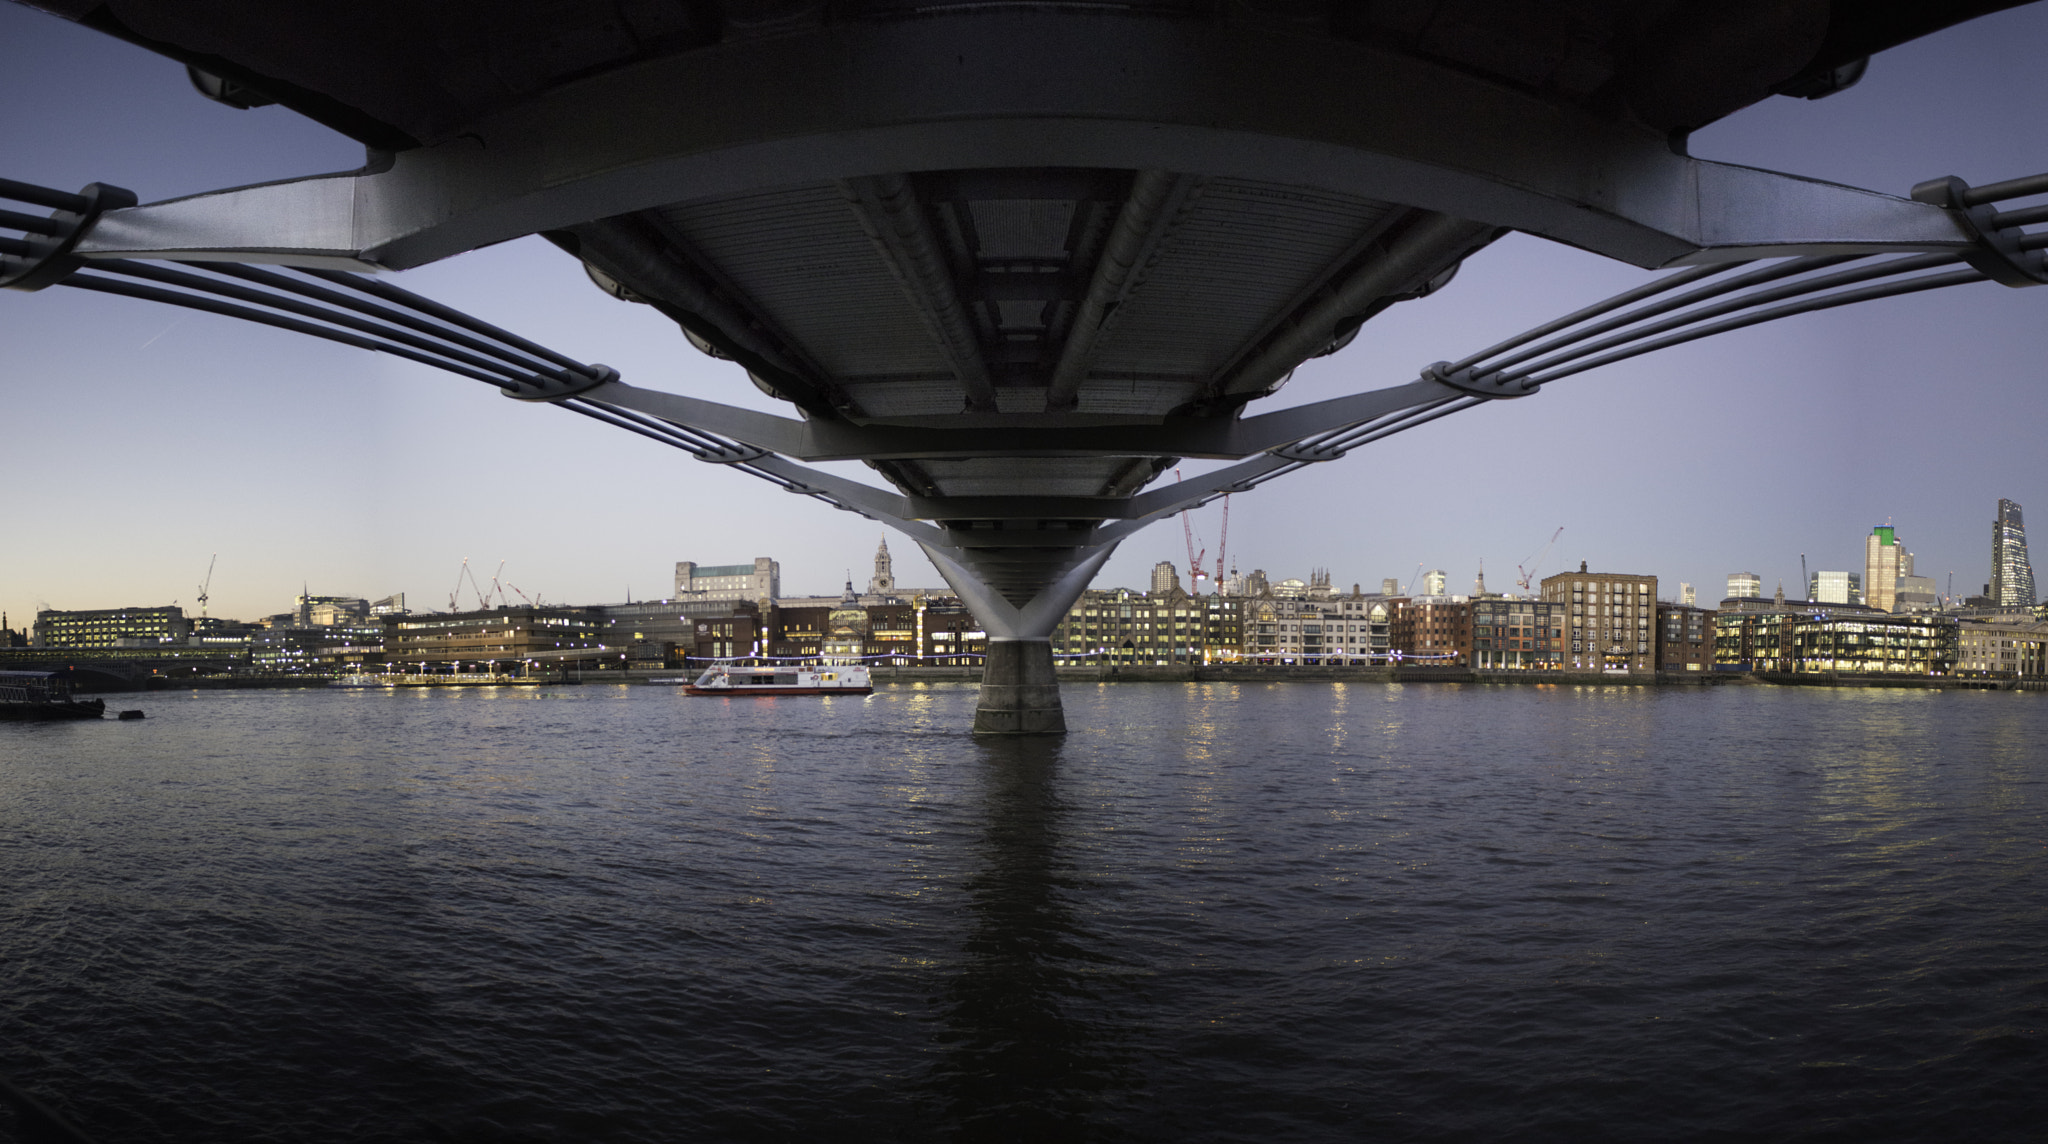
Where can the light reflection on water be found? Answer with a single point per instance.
(1213, 912)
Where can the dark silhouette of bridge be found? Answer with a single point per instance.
(1020, 258)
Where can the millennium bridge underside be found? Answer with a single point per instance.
(1018, 257)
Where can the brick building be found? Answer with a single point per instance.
(1685, 638)
(1610, 622)
(1432, 630)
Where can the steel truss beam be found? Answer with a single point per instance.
(994, 86)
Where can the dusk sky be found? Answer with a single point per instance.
(140, 440)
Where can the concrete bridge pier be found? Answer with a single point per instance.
(1020, 691)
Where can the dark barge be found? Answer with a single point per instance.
(39, 695)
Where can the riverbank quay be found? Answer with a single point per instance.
(228, 682)
(1916, 682)
(1176, 673)
(1278, 673)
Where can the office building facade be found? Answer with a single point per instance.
(1744, 585)
(2000, 651)
(1836, 643)
(1881, 552)
(499, 640)
(111, 627)
(761, 580)
(1118, 626)
(2012, 576)
(1835, 587)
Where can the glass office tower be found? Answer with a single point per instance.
(2012, 578)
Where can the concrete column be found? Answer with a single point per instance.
(1020, 691)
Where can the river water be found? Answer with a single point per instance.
(1213, 912)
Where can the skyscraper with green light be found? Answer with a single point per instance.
(1881, 567)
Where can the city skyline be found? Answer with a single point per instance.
(167, 438)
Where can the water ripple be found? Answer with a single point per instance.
(1214, 912)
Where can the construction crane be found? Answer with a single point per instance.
(495, 588)
(1524, 573)
(1195, 554)
(482, 601)
(1410, 590)
(1222, 542)
(1805, 579)
(208, 583)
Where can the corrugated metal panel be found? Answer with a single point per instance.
(1115, 395)
(1243, 250)
(1008, 476)
(1022, 228)
(901, 398)
(801, 258)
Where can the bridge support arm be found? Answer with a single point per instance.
(1020, 688)
(1207, 438)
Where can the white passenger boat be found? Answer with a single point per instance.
(816, 679)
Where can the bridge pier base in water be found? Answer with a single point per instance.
(1020, 692)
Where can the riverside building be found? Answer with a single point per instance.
(500, 640)
(1314, 632)
(1610, 623)
(1685, 638)
(1872, 644)
(1120, 626)
(1433, 630)
(1517, 635)
(111, 627)
(2000, 651)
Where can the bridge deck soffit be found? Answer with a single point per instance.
(1008, 89)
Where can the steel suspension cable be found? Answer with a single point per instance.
(1811, 305)
(1888, 269)
(449, 314)
(1755, 277)
(520, 359)
(190, 281)
(1647, 290)
(98, 284)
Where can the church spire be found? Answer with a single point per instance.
(884, 581)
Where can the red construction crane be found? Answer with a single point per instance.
(1187, 528)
